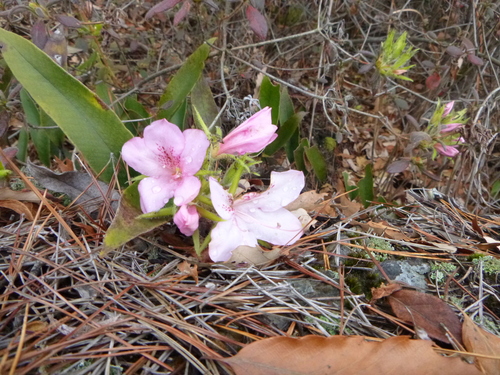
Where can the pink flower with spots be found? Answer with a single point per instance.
(170, 158)
(256, 216)
(251, 136)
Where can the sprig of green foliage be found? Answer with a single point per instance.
(394, 56)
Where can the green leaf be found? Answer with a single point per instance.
(184, 80)
(94, 129)
(351, 189)
(203, 100)
(22, 145)
(495, 189)
(286, 109)
(365, 186)
(269, 96)
(179, 117)
(38, 136)
(292, 145)
(298, 155)
(317, 162)
(127, 225)
(285, 132)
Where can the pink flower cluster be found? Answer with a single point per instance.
(449, 124)
(171, 160)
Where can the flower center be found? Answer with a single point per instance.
(167, 159)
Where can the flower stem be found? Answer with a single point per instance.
(236, 178)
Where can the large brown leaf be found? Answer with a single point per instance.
(427, 312)
(479, 341)
(345, 355)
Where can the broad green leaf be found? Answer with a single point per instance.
(495, 189)
(285, 132)
(22, 145)
(299, 156)
(203, 100)
(184, 80)
(286, 109)
(317, 162)
(94, 129)
(127, 225)
(269, 96)
(366, 186)
(292, 145)
(135, 110)
(179, 117)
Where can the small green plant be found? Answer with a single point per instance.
(394, 56)
(440, 271)
(491, 266)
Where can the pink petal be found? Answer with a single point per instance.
(155, 192)
(164, 138)
(226, 237)
(195, 150)
(187, 220)
(187, 189)
(280, 227)
(251, 136)
(285, 187)
(138, 156)
(221, 199)
(450, 127)
(447, 108)
(445, 150)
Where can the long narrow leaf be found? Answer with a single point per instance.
(94, 129)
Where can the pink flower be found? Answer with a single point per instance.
(447, 108)
(170, 158)
(446, 150)
(251, 136)
(187, 219)
(256, 215)
(447, 128)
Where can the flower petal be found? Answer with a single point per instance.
(447, 128)
(162, 136)
(187, 220)
(226, 237)
(280, 227)
(221, 199)
(187, 190)
(251, 136)
(155, 192)
(195, 150)
(445, 150)
(138, 156)
(447, 108)
(285, 188)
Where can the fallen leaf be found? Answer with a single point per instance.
(384, 291)
(349, 207)
(309, 201)
(161, 7)
(89, 191)
(186, 268)
(432, 82)
(305, 219)
(254, 255)
(477, 340)
(258, 22)
(19, 195)
(182, 13)
(344, 355)
(19, 207)
(427, 312)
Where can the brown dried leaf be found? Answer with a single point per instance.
(344, 355)
(385, 291)
(309, 201)
(20, 208)
(254, 255)
(479, 341)
(349, 207)
(454, 51)
(18, 195)
(189, 269)
(427, 312)
(399, 166)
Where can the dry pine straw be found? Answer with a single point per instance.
(66, 310)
